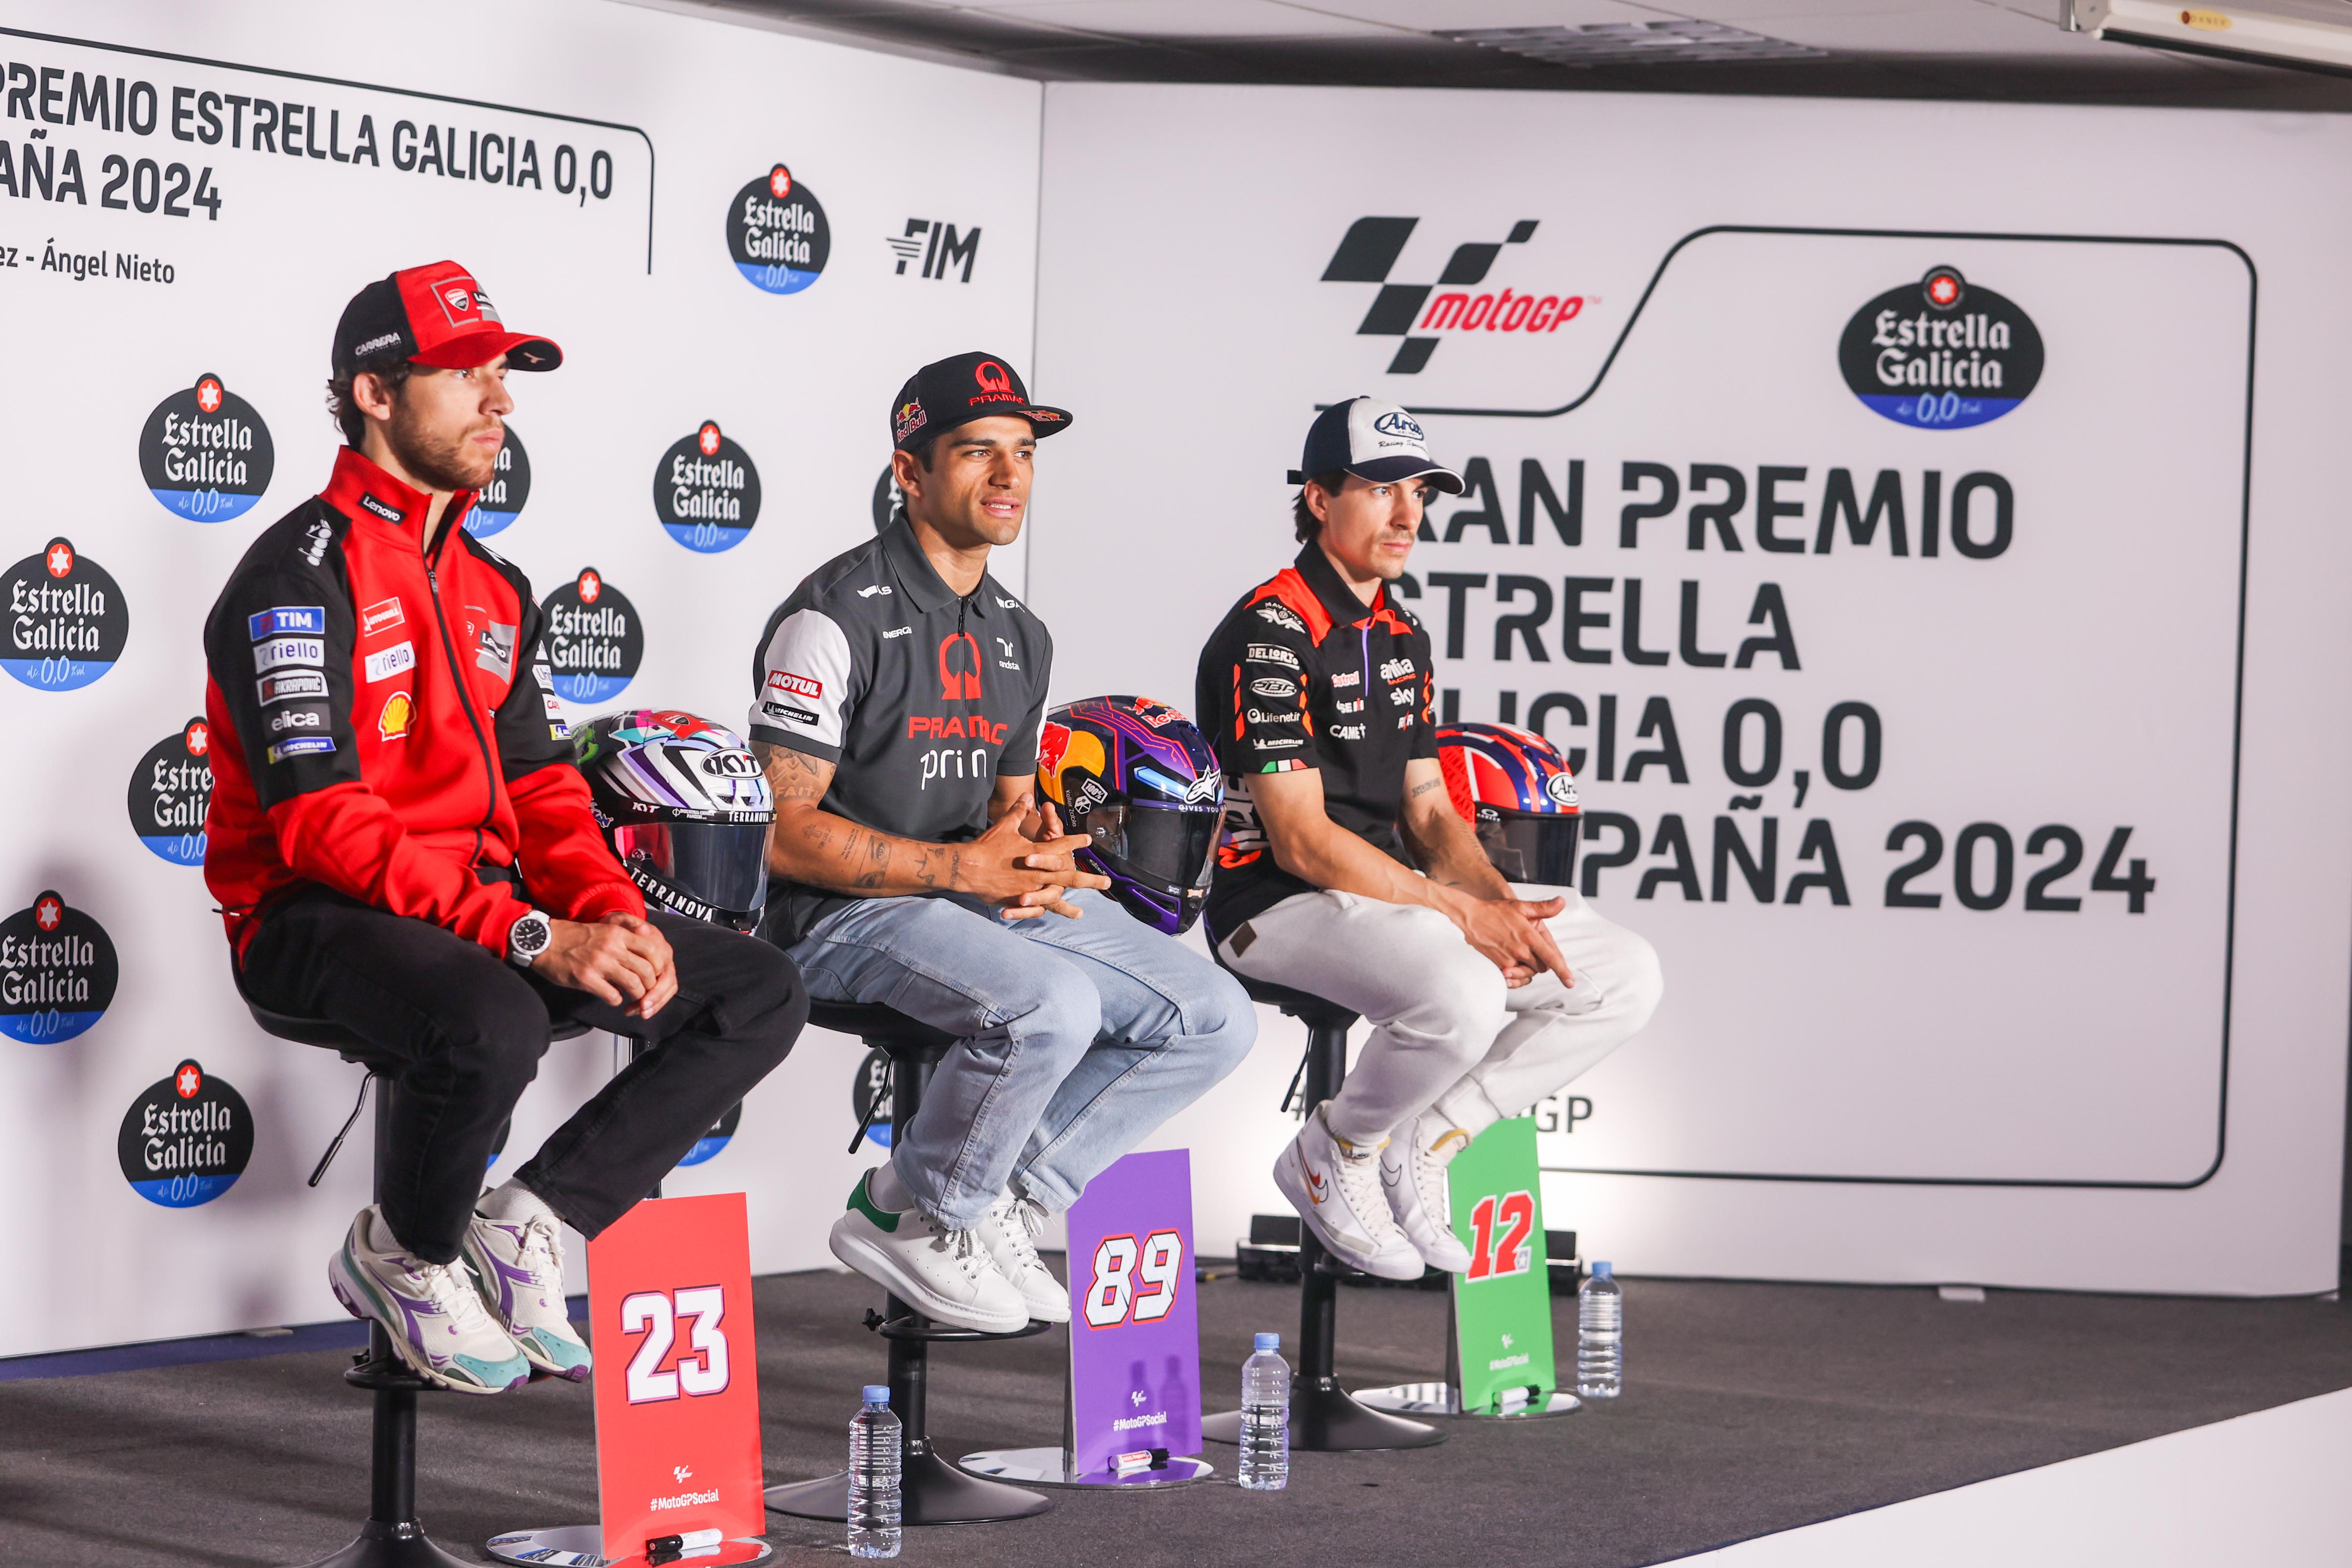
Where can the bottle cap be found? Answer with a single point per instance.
(877, 1393)
(1603, 1271)
(1269, 1342)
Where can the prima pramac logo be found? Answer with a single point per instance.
(777, 233)
(706, 491)
(67, 620)
(57, 971)
(205, 453)
(501, 499)
(169, 790)
(1942, 353)
(594, 638)
(185, 1139)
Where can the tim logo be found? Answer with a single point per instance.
(1418, 312)
(956, 683)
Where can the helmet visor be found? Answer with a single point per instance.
(1532, 847)
(722, 864)
(1166, 846)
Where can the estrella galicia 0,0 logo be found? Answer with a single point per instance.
(595, 639)
(57, 971)
(169, 790)
(706, 491)
(67, 622)
(185, 1139)
(777, 233)
(205, 453)
(1942, 353)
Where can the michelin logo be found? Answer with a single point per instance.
(301, 746)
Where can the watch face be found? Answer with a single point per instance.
(530, 934)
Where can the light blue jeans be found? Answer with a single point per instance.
(1076, 1038)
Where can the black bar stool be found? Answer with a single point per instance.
(1324, 1418)
(391, 1536)
(931, 1491)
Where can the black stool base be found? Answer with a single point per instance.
(930, 1492)
(1326, 1419)
(390, 1546)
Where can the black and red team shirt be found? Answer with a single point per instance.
(1303, 674)
(395, 725)
(919, 699)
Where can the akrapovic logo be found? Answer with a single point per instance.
(1459, 301)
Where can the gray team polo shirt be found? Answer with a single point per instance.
(920, 700)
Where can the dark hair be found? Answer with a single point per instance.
(924, 451)
(1302, 516)
(392, 370)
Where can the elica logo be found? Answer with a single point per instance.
(67, 622)
(938, 245)
(502, 498)
(1456, 303)
(185, 1139)
(205, 453)
(777, 233)
(1942, 353)
(706, 491)
(57, 971)
(712, 1142)
(595, 639)
(169, 790)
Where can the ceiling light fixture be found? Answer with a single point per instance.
(1634, 43)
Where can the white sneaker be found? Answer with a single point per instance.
(1415, 1175)
(431, 1311)
(518, 1266)
(1010, 1233)
(945, 1275)
(1336, 1188)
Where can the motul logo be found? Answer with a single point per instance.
(1417, 312)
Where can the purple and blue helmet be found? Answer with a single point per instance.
(1143, 785)
(686, 809)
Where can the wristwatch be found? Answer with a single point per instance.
(528, 938)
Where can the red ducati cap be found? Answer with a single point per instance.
(435, 316)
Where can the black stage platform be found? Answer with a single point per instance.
(1751, 1408)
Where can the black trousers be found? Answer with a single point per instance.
(466, 1030)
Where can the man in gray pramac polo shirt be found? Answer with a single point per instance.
(900, 692)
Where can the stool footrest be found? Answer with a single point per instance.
(914, 1326)
(388, 1373)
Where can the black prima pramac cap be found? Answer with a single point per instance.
(952, 392)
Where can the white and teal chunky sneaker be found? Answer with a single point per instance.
(431, 1311)
(518, 1266)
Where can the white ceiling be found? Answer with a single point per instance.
(2013, 50)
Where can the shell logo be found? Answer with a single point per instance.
(399, 716)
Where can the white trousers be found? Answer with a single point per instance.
(1446, 1032)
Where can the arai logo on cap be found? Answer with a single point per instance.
(1397, 422)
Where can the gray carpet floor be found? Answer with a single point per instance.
(1749, 1408)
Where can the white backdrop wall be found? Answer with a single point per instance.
(2046, 1078)
(2086, 675)
(662, 331)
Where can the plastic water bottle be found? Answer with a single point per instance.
(873, 1459)
(1265, 1418)
(1600, 1335)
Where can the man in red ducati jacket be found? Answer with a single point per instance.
(399, 844)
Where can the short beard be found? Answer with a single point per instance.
(451, 463)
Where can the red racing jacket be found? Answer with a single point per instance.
(395, 725)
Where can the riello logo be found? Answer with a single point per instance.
(1459, 303)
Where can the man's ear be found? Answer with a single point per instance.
(1318, 502)
(369, 396)
(906, 471)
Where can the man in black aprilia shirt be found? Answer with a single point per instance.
(1316, 691)
(901, 691)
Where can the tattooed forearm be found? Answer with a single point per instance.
(813, 845)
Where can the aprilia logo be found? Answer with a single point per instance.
(1407, 311)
